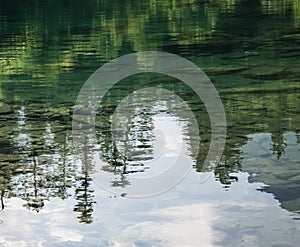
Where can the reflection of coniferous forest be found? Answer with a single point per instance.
(44, 63)
(65, 38)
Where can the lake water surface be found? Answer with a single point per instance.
(49, 196)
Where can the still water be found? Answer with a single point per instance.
(49, 197)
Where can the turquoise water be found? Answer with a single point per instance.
(249, 50)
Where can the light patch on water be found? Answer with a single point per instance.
(167, 145)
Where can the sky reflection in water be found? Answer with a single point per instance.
(190, 214)
(249, 49)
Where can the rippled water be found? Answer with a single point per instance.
(51, 197)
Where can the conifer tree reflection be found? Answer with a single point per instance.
(2, 201)
(4, 181)
(84, 196)
(35, 199)
(125, 151)
(83, 193)
(277, 126)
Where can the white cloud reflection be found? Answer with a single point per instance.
(212, 225)
(189, 215)
(240, 217)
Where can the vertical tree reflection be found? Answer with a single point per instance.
(83, 192)
(2, 201)
(277, 127)
(84, 197)
(129, 145)
(4, 181)
(35, 199)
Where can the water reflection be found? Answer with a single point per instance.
(280, 174)
(220, 219)
(250, 50)
(153, 133)
(36, 43)
(37, 161)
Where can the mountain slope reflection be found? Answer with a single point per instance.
(280, 174)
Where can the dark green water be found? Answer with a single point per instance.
(251, 52)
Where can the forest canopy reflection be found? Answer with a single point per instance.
(47, 51)
(99, 30)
